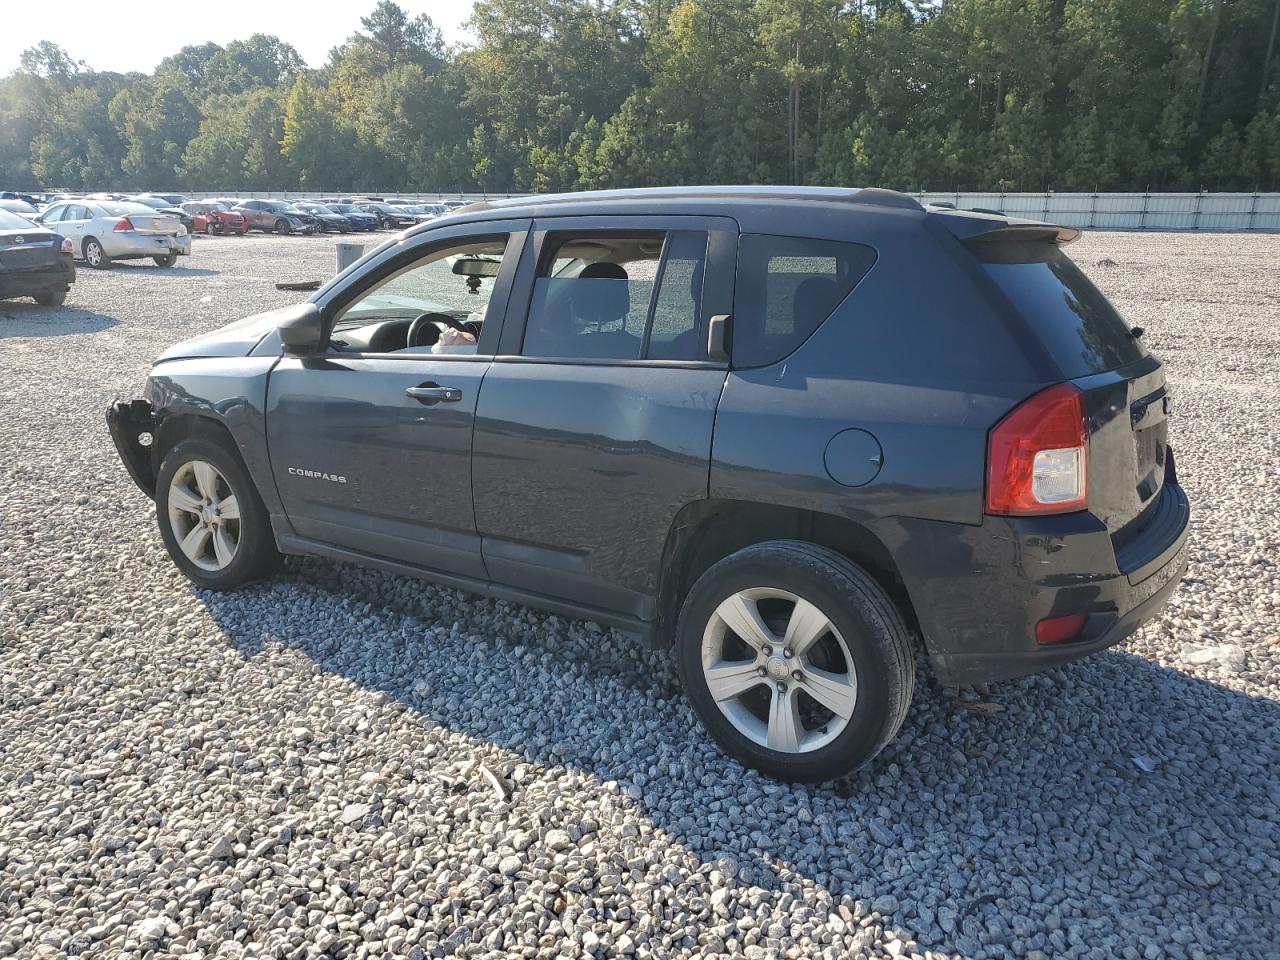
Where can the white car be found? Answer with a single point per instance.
(105, 230)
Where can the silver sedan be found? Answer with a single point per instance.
(102, 231)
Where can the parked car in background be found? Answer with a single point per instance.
(359, 219)
(34, 261)
(328, 220)
(164, 206)
(25, 197)
(102, 231)
(389, 217)
(215, 216)
(274, 216)
(172, 199)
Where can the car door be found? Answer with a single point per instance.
(371, 439)
(594, 425)
(75, 224)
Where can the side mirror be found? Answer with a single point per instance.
(719, 343)
(300, 329)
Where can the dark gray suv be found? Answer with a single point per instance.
(799, 434)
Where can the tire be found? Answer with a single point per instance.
(51, 298)
(208, 228)
(863, 630)
(168, 260)
(209, 564)
(284, 227)
(95, 256)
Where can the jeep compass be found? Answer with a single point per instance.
(805, 437)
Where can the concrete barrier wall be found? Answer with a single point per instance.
(1101, 211)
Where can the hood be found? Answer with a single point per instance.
(234, 340)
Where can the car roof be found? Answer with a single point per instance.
(758, 208)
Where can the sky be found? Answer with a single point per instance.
(137, 37)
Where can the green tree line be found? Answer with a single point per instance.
(574, 94)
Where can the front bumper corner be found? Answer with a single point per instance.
(129, 421)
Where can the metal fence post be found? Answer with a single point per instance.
(1093, 208)
(1142, 221)
(1195, 221)
(1253, 211)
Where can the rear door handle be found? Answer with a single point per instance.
(434, 393)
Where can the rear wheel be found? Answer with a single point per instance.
(212, 521)
(795, 660)
(95, 256)
(168, 260)
(51, 298)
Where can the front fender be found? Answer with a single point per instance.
(231, 391)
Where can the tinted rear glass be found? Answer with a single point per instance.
(1077, 324)
(786, 287)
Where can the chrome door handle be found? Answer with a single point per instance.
(432, 393)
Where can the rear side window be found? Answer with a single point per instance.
(1078, 325)
(786, 288)
(618, 296)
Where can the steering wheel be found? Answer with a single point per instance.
(421, 321)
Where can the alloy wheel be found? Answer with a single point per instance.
(779, 670)
(204, 515)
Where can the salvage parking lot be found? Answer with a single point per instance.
(345, 761)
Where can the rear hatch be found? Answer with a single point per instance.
(1126, 399)
(29, 250)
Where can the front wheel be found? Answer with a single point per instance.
(52, 298)
(212, 521)
(208, 227)
(283, 227)
(795, 660)
(168, 260)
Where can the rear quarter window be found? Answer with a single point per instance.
(786, 288)
(1078, 326)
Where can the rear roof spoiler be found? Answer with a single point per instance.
(989, 226)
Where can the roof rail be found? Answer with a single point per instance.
(880, 197)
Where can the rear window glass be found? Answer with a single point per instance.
(786, 287)
(11, 221)
(1079, 327)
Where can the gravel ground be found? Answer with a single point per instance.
(349, 764)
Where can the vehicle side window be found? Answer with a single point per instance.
(53, 215)
(786, 288)
(450, 286)
(77, 213)
(618, 296)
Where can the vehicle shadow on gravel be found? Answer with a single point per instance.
(177, 270)
(1101, 804)
(26, 319)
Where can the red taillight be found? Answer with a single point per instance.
(67, 246)
(123, 225)
(1059, 629)
(1038, 456)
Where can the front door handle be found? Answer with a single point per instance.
(434, 393)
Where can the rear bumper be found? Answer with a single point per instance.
(21, 283)
(978, 592)
(128, 421)
(124, 246)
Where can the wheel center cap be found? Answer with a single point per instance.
(206, 514)
(777, 668)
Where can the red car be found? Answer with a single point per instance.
(215, 216)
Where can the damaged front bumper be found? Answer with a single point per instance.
(130, 421)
